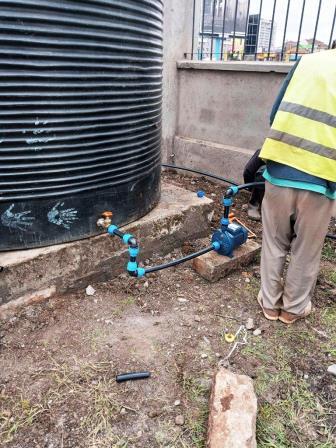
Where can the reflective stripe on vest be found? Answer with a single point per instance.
(303, 134)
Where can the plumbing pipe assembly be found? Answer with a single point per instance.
(224, 241)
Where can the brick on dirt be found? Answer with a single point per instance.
(213, 266)
(233, 412)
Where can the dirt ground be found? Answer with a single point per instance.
(58, 360)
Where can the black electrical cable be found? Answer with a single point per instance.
(331, 236)
(179, 261)
(250, 185)
(202, 173)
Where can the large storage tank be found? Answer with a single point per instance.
(80, 116)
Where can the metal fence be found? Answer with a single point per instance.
(261, 30)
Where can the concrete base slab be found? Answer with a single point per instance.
(233, 412)
(31, 275)
(213, 266)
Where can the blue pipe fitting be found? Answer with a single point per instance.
(127, 237)
(201, 194)
(133, 251)
(225, 222)
(227, 202)
(141, 272)
(234, 190)
(216, 245)
(132, 266)
(111, 229)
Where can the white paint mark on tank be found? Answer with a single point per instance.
(62, 217)
(19, 220)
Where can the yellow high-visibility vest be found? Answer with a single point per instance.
(303, 134)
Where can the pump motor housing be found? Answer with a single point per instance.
(230, 238)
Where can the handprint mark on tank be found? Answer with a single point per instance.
(19, 220)
(62, 217)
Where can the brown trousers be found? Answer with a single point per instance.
(294, 221)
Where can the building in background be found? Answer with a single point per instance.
(259, 36)
(223, 31)
(292, 51)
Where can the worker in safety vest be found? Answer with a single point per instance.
(300, 191)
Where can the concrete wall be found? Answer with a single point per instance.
(223, 112)
(177, 40)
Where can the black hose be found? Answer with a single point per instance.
(202, 173)
(179, 261)
(331, 236)
(118, 233)
(250, 185)
(132, 376)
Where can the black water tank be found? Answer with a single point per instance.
(80, 114)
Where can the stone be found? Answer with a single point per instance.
(90, 291)
(332, 369)
(233, 412)
(179, 420)
(204, 356)
(249, 324)
(182, 300)
(257, 332)
(179, 216)
(213, 266)
(177, 403)
(197, 319)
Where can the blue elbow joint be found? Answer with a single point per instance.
(141, 272)
(127, 237)
(111, 229)
(132, 267)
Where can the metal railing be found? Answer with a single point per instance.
(259, 30)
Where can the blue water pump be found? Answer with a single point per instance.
(231, 235)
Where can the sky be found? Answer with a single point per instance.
(309, 21)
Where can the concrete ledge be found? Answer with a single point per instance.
(213, 266)
(30, 275)
(237, 66)
(227, 161)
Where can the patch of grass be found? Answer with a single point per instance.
(328, 323)
(293, 420)
(331, 276)
(122, 306)
(329, 251)
(290, 414)
(253, 287)
(95, 338)
(197, 425)
(197, 394)
(328, 318)
(16, 414)
(90, 387)
(257, 349)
